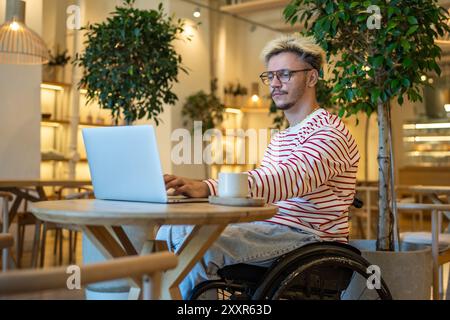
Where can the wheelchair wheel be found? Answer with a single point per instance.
(221, 290)
(330, 277)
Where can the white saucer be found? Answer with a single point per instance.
(238, 202)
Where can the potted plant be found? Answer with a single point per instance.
(130, 63)
(234, 95)
(54, 70)
(204, 107)
(378, 51)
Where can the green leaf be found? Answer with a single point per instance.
(329, 8)
(349, 94)
(405, 44)
(407, 62)
(412, 30)
(412, 20)
(391, 12)
(406, 82)
(391, 25)
(395, 84)
(378, 61)
(375, 94)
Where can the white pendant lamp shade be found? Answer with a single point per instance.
(18, 43)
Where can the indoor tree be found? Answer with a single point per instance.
(130, 63)
(377, 51)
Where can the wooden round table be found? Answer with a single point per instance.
(102, 222)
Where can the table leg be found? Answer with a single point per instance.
(106, 243)
(435, 252)
(191, 251)
(125, 241)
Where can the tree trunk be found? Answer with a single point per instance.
(366, 151)
(385, 241)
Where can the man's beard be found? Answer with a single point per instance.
(288, 105)
(285, 106)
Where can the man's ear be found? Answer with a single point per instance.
(313, 78)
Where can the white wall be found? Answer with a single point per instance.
(20, 112)
(196, 58)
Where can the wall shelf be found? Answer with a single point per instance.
(57, 123)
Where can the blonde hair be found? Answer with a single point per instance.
(305, 47)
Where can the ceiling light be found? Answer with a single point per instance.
(197, 13)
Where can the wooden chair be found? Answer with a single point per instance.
(24, 219)
(147, 268)
(82, 193)
(6, 240)
(6, 198)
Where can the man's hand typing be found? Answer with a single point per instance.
(187, 187)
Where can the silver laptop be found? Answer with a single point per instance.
(124, 164)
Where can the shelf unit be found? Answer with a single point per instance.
(237, 146)
(56, 130)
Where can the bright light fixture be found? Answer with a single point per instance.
(197, 13)
(427, 139)
(233, 110)
(51, 87)
(14, 26)
(18, 43)
(442, 125)
(255, 98)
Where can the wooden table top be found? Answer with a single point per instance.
(114, 213)
(43, 183)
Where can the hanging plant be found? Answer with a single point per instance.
(130, 63)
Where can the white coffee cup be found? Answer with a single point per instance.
(234, 185)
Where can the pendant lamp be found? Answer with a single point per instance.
(18, 43)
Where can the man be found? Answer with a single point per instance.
(308, 171)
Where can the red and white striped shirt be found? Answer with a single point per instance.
(309, 172)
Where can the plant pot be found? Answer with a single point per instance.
(53, 73)
(408, 273)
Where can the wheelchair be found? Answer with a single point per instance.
(315, 271)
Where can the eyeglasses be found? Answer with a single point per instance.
(283, 75)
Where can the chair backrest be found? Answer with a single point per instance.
(6, 195)
(137, 267)
(6, 240)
